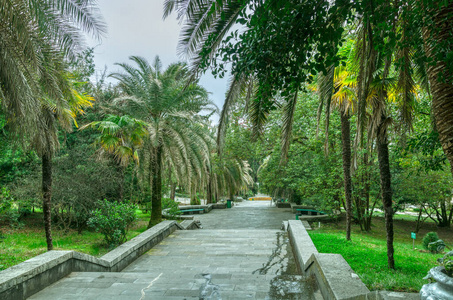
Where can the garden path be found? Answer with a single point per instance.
(239, 254)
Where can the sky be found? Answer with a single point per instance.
(135, 27)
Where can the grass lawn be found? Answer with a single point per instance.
(21, 244)
(367, 253)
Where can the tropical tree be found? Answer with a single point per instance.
(167, 104)
(121, 136)
(437, 25)
(336, 88)
(37, 36)
(34, 86)
(229, 176)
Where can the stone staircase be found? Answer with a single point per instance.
(199, 264)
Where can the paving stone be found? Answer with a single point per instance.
(239, 253)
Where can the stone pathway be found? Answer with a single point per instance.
(239, 254)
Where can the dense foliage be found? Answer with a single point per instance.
(112, 220)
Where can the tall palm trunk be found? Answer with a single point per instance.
(122, 175)
(209, 190)
(346, 143)
(156, 184)
(440, 79)
(47, 197)
(173, 191)
(386, 190)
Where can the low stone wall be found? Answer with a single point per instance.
(27, 278)
(283, 205)
(335, 278)
(166, 215)
(190, 224)
(220, 205)
(206, 208)
(301, 243)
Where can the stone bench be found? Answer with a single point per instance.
(191, 211)
(312, 212)
(206, 208)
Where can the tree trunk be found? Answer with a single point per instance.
(346, 143)
(209, 192)
(440, 79)
(418, 224)
(193, 195)
(156, 192)
(47, 197)
(173, 191)
(121, 171)
(386, 189)
(366, 194)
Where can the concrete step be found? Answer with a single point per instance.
(84, 286)
(199, 264)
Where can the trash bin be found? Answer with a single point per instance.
(228, 203)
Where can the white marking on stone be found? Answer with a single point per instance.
(150, 284)
(396, 295)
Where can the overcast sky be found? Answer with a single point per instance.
(135, 27)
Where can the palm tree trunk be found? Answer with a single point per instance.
(156, 192)
(231, 194)
(122, 173)
(346, 143)
(173, 191)
(386, 189)
(367, 211)
(440, 79)
(209, 192)
(47, 197)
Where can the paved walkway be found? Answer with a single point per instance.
(239, 254)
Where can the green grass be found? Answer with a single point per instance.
(366, 254)
(403, 217)
(19, 245)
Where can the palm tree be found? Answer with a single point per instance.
(36, 37)
(167, 104)
(436, 33)
(55, 112)
(337, 88)
(121, 136)
(229, 176)
(36, 92)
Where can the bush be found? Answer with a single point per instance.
(437, 246)
(429, 238)
(113, 220)
(8, 213)
(447, 263)
(172, 206)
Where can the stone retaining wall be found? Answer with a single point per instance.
(206, 208)
(335, 278)
(27, 278)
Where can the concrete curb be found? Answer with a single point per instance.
(335, 278)
(206, 209)
(27, 278)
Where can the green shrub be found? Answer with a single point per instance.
(437, 246)
(113, 220)
(429, 238)
(171, 205)
(447, 262)
(8, 213)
